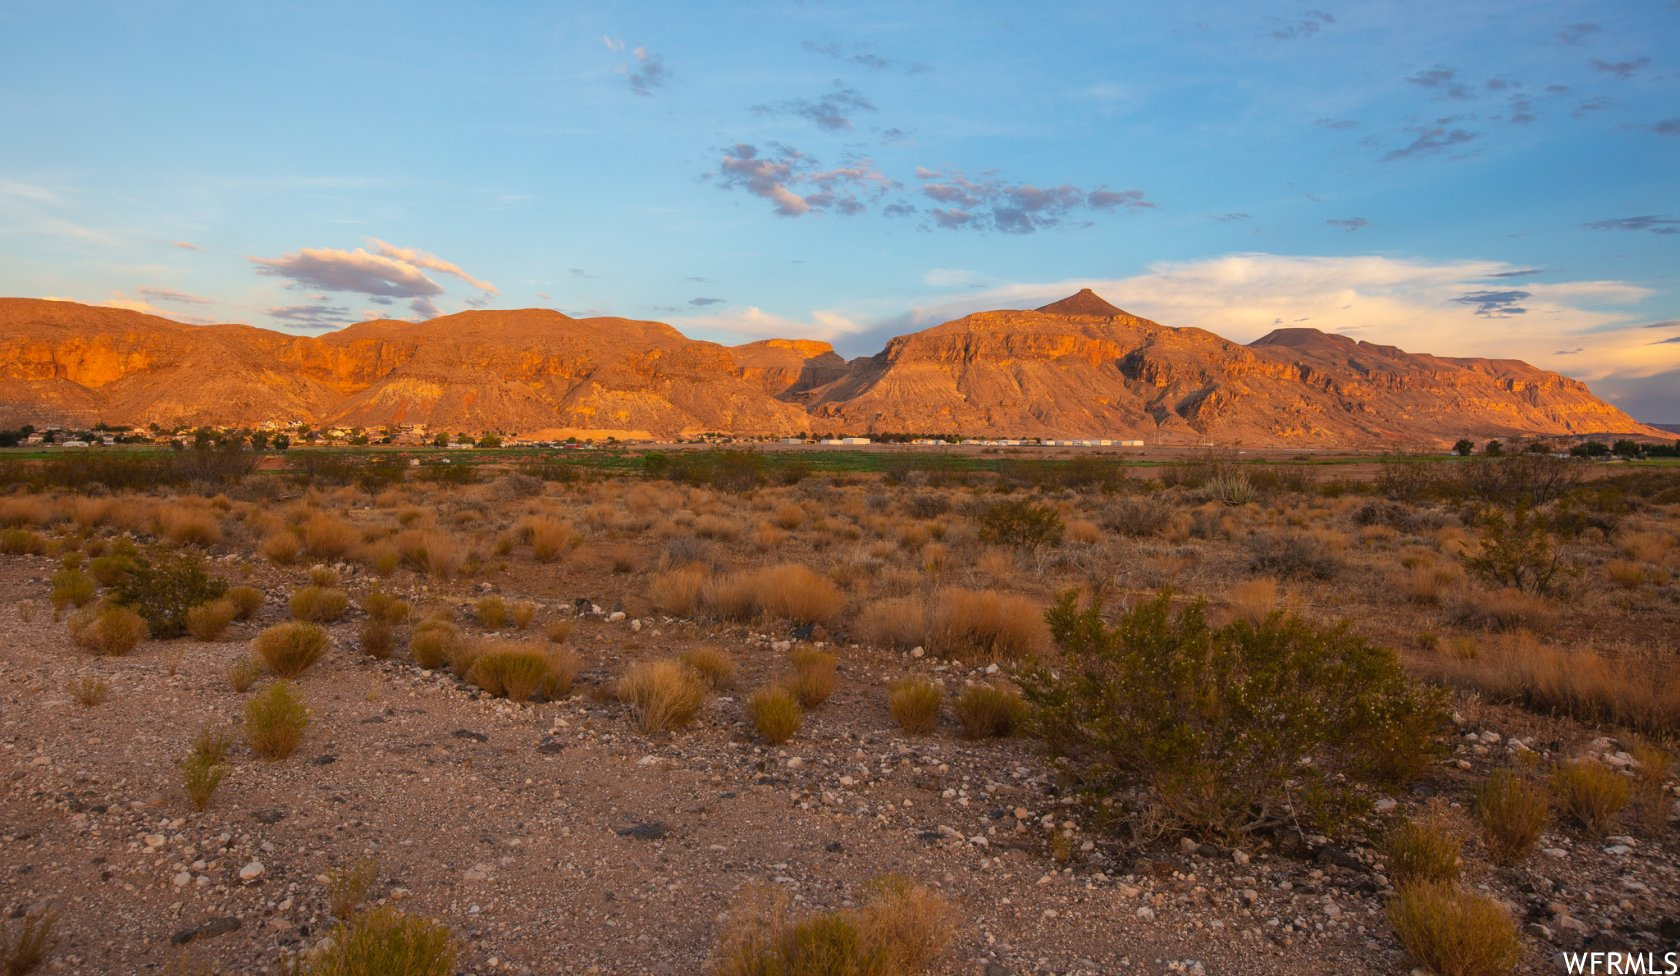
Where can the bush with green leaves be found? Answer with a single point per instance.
(1235, 728)
(162, 585)
(1519, 552)
(1022, 524)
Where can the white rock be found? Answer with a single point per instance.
(251, 872)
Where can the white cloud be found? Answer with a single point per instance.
(431, 262)
(753, 323)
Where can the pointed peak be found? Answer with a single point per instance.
(1086, 302)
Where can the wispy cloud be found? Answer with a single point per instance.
(1306, 25)
(1643, 222)
(1667, 127)
(320, 317)
(431, 262)
(833, 112)
(356, 271)
(171, 295)
(1574, 34)
(846, 190)
(1348, 224)
(1494, 304)
(1429, 141)
(862, 55)
(186, 245)
(425, 308)
(702, 302)
(1327, 123)
(992, 203)
(645, 73)
(1621, 69)
(1442, 81)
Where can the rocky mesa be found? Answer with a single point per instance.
(1080, 367)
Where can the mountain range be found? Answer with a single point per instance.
(1077, 368)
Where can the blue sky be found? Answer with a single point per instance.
(1460, 178)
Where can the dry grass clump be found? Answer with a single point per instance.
(1651, 799)
(281, 548)
(243, 673)
(385, 608)
(1592, 794)
(22, 542)
(323, 576)
(520, 671)
(899, 621)
(713, 663)
(434, 643)
(274, 721)
(24, 951)
(347, 887)
(558, 630)
(677, 591)
(1425, 848)
(72, 588)
(319, 604)
(246, 600)
(987, 625)
(1512, 812)
(22, 511)
(815, 676)
(328, 537)
(787, 590)
(208, 621)
(665, 695)
(994, 711)
(377, 638)
(1453, 932)
(1506, 610)
(201, 775)
(384, 941)
(492, 612)
(88, 691)
(901, 929)
(550, 538)
(716, 527)
(775, 713)
(521, 613)
(189, 526)
(287, 650)
(112, 631)
(1254, 600)
(431, 552)
(1427, 581)
(914, 704)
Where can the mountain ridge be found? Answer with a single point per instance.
(1079, 367)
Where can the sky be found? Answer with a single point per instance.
(1461, 178)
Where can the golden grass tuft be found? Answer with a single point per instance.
(775, 713)
(378, 639)
(431, 552)
(24, 951)
(22, 542)
(89, 691)
(677, 591)
(492, 612)
(281, 548)
(24, 511)
(319, 604)
(275, 720)
(384, 941)
(1254, 600)
(993, 711)
(347, 887)
(787, 590)
(713, 663)
(815, 676)
(200, 777)
(522, 671)
(1512, 813)
(189, 525)
(243, 672)
(665, 695)
(246, 600)
(987, 625)
(901, 929)
(898, 622)
(208, 621)
(386, 608)
(914, 704)
(434, 643)
(1424, 848)
(328, 537)
(112, 631)
(1592, 794)
(1453, 932)
(72, 588)
(287, 650)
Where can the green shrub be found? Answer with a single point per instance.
(243, 673)
(111, 631)
(348, 887)
(901, 929)
(162, 585)
(1591, 793)
(915, 704)
(89, 691)
(22, 542)
(1252, 723)
(289, 649)
(774, 711)
(1519, 552)
(72, 588)
(1426, 848)
(1512, 812)
(385, 942)
(274, 721)
(319, 604)
(201, 776)
(989, 711)
(1021, 523)
(1453, 932)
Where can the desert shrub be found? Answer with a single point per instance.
(247, 600)
(520, 672)
(1233, 489)
(914, 704)
(558, 630)
(901, 929)
(732, 471)
(433, 553)
(243, 672)
(24, 951)
(1291, 556)
(521, 613)
(1453, 932)
(328, 537)
(1426, 581)
(1512, 813)
(162, 586)
(208, 621)
(1519, 552)
(200, 777)
(899, 621)
(1234, 727)
(1592, 794)
(189, 526)
(990, 711)
(815, 676)
(22, 542)
(665, 695)
(1424, 848)
(434, 644)
(212, 744)
(115, 564)
(550, 538)
(347, 887)
(378, 638)
(323, 576)
(786, 590)
(288, 649)
(1255, 600)
(274, 721)
(1518, 479)
(385, 608)
(1504, 610)
(281, 548)
(775, 712)
(21, 511)
(89, 691)
(319, 604)
(72, 588)
(712, 663)
(492, 612)
(385, 941)
(111, 631)
(1021, 523)
(1135, 516)
(986, 625)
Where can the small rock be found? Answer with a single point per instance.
(208, 929)
(652, 830)
(251, 872)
